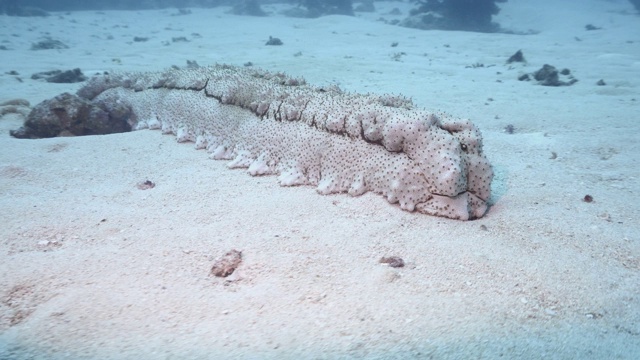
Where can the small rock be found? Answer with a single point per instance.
(68, 114)
(517, 57)
(48, 44)
(549, 76)
(145, 185)
(273, 41)
(60, 77)
(393, 261)
(227, 264)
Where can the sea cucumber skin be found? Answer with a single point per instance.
(271, 124)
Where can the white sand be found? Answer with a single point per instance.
(92, 267)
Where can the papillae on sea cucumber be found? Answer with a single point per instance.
(273, 124)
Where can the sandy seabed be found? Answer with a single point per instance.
(93, 267)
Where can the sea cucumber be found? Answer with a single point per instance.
(273, 124)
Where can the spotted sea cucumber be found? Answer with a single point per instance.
(273, 124)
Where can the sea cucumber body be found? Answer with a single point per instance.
(271, 124)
